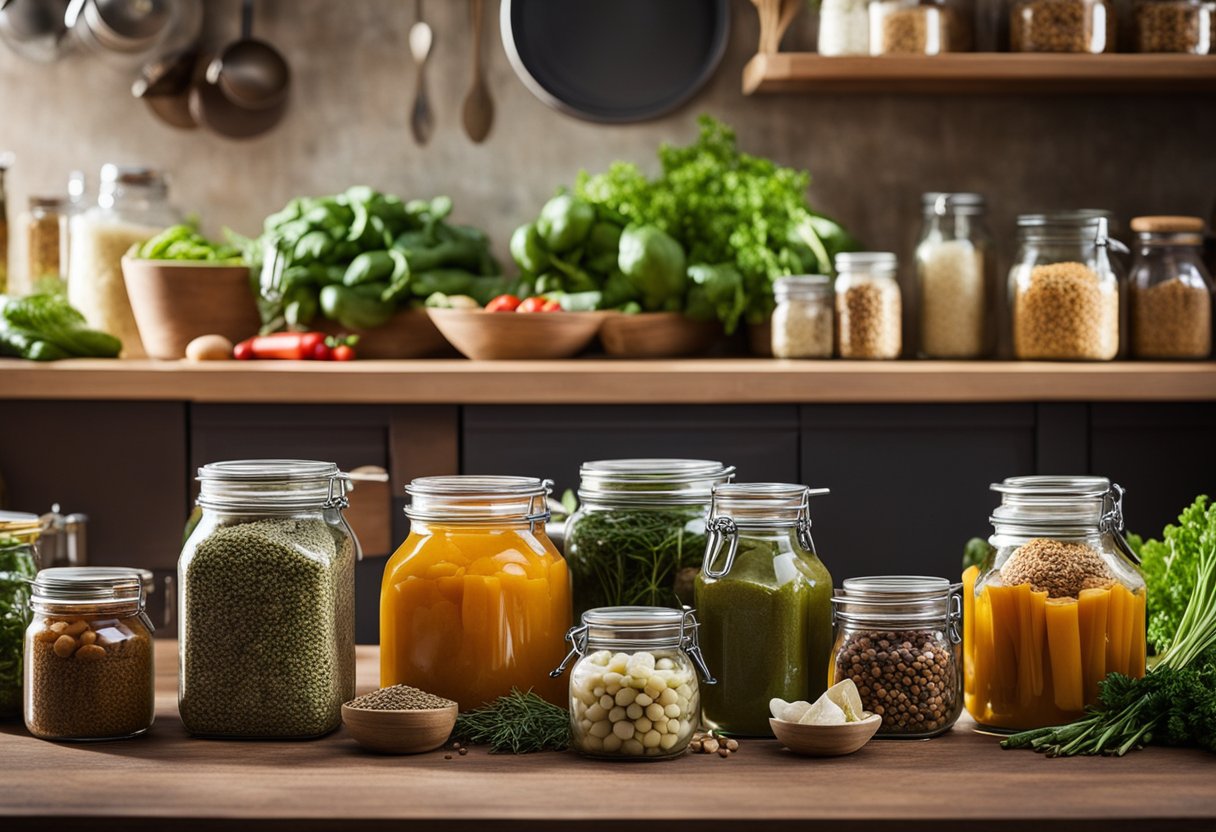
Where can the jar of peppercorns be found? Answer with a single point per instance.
(898, 639)
(88, 655)
(1085, 26)
(1183, 26)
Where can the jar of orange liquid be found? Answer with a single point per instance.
(477, 599)
(1058, 606)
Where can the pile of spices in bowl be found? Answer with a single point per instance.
(399, 698)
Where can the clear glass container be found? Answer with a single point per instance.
(956, 278)
(476, 600)
(132, 206)
(764, 603)
(1181, 26)
(5, 162)
(919, 27)
(266, 601)
(638, 535)
(898, 638)
(844, 27)
(634, 692)
(1170, 290)
(18, 563)
(88, 655)
(1064, 288)
(802, 318)
(1058, 606)
(868, 305)
(1086, 26)
(46, 237)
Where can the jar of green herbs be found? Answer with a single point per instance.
(18, 563)
(266, 603)
(638, 535)
(764, 600)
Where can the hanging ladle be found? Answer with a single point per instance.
(249, 72)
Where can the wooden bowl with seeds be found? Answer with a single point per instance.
(379, 723)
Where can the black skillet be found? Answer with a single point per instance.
(615, 60)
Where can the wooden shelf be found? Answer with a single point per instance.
(606, 381)
(980, 72)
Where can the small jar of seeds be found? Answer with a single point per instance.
(1064, 287)
(266, 608)
(898, 638)
(868, 305)
(88, 655)
(802, 319)
(634, 692)
(1170, 290)
(1178, 26)
(1085, 26)
(919, 27)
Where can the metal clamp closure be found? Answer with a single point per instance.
(1112, 521)
(719, 529)
(690, 643)
(954, 614)
(577, 636)
(339, 487)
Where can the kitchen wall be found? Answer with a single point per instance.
(871, 156)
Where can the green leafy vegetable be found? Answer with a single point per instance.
(1170, 569)
(47, 328)
(518, 723)
(183, 242)
(654, 265)
(16, 572)
(976, 552)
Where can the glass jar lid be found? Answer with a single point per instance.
(763, 504)
(47, 203)
(664, 482)
(272, 484)
(464, 498)
(897, 601)
(866, 261)
(946, 202)
(88, 586)
(802, 287)
(20, 524)
(1079, 224)
(636, 628)
(1051, 500)
(1169, 230)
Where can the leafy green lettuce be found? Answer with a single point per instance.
(1171, 567)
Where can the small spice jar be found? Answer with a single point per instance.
(46, 236)
(844, 27)
(1181, 26)
(1062, 26)
(18, 563)
(88, 655)
(266, 602)
(955, 278)
(1064, 287)
(1060, 604)
(802, 319)
(634, 692)
(919, 27)
(868, 305)
(898, 639)
(1170, 290)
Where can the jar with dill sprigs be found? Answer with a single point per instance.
(638, 536)
(267, 602)
(18, 562)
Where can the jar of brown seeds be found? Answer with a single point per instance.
(1182, 26)
(1086, 26)
(1170, 290)
(868, 305)
(898, 639)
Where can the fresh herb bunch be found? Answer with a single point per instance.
(1175, 704)
(1170, 568)
(16, 572)
(637, 556)
(46, 327)
(518, 723)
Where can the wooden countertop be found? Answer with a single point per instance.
(605, 381)
(961, 781)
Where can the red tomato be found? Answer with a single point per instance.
(503, 303)
(321, 352)
(539, 304)
(244, 350)
(344, 352)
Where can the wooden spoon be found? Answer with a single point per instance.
(478, 106)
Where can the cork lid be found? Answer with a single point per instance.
(1166, 224)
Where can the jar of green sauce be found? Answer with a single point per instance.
(639, 532)
(764, 600)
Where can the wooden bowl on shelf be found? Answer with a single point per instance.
(175, 301)
(657, 335)
(498, 336)
(400, 732)
(825, 740)
(408, 334)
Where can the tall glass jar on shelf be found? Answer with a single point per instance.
(46, 237)
(956, 278)
(1170, 290)
(132, 206)
(869, 306)
(844, 27)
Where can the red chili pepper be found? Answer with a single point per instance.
(244, 350)
(293, 346)
(503, 303)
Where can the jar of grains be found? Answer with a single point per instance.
(802, 319)
(266, 607)
(1062, 26)
(1187, 26)
(88, 655)
(955, 275)
(475, 601)
(868, 307)
(46, 237)
(919, 27)
(898, 639)
(638, 535)
(844, 27)
(133, 205)
(764, 601)
(1059, 605)
(19, 561)
(1064, 288)
(634, 691)
(1170, 290)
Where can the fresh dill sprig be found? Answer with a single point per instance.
(518, 723)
